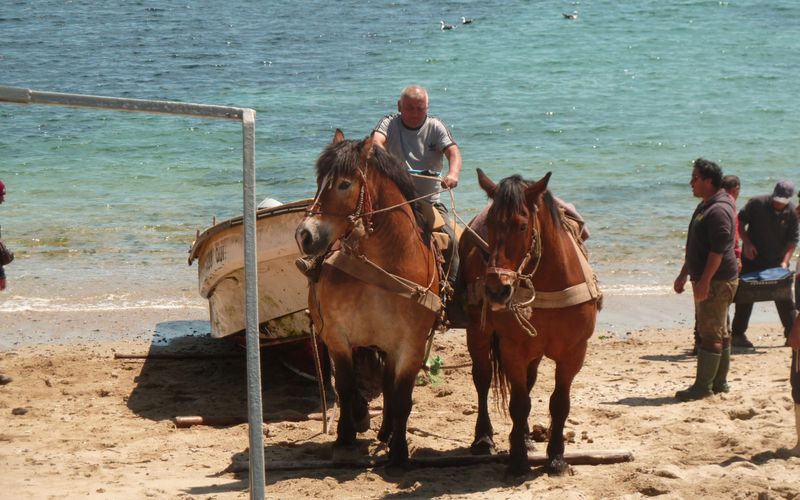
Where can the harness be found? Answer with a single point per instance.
(349, 260)
(525, 297)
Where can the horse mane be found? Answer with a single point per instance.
(510, 199)
(343, 159)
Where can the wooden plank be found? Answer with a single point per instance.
(587, 457)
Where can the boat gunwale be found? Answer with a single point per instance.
(261, 213)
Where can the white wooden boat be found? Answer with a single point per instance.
(282, 289)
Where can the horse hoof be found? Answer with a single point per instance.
(557, 467)
(530, 444)
(483, 446)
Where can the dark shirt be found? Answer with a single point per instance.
(711, 230)
(771, 232)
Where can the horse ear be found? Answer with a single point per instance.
(536, 189)
(338, 136)
(366, 149)
(486, 184)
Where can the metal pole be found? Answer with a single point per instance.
(18, 95)
(254, 404)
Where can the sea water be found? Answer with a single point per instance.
(103, 206)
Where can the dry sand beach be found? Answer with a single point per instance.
(75, 422)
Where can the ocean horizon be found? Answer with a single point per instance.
(102, 207)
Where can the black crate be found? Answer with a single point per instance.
(764, 290)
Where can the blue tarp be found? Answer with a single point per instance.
(772, 274)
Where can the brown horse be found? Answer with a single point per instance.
(530, 253)
(371, 237)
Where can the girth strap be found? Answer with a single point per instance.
(369, 272)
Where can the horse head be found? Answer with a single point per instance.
(342, 196)
(512, 234)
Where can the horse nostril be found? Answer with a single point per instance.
(304, 239)
(505, 292)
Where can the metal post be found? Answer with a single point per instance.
(254, 405)
(18, 95)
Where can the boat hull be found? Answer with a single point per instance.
(282, 289)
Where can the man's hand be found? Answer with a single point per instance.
(450, 181)
(749, 250)
(680, 283)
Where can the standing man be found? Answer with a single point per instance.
(794, 380)
(4, 379)
(768, 228)
(711, 265)
(2, 271)
(421, 140)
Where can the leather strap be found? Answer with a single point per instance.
(369, 272)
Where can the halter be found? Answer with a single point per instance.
(363, 207)
(521, 310)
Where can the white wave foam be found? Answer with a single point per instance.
(19, 303)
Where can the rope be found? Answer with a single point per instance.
(320, 381)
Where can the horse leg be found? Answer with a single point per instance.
(519, 407)
(385, 432)
(479, 345)
(400, 410)
(344, 379)
(533, 373)
(559, 410)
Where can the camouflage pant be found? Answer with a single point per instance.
(712, 313)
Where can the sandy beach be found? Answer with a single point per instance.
(75, 422)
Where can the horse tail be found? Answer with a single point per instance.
(499, 381)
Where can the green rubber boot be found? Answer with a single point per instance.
(707, 366)
(721, 379)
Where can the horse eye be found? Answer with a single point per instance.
(344, 185)
(523, 228)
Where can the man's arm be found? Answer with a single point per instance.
(680, 282)
(787, 257)
(379, 139)
(454, 166)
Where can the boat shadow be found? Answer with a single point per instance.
(192, 374)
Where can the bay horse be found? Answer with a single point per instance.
(379, 272)
(528, 252)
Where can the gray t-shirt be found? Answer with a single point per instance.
(421, 149)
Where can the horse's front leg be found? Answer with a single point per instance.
(559, 411)
(400, 411)
(479, 345)
(520, 408)
(344, 379)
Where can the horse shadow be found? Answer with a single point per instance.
(185, 372)
(420, 480)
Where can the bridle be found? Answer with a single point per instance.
(521, 310)
(363, 208)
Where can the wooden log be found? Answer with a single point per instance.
(283, 416)
(588, 457)
(176, 355)
(184, 422)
